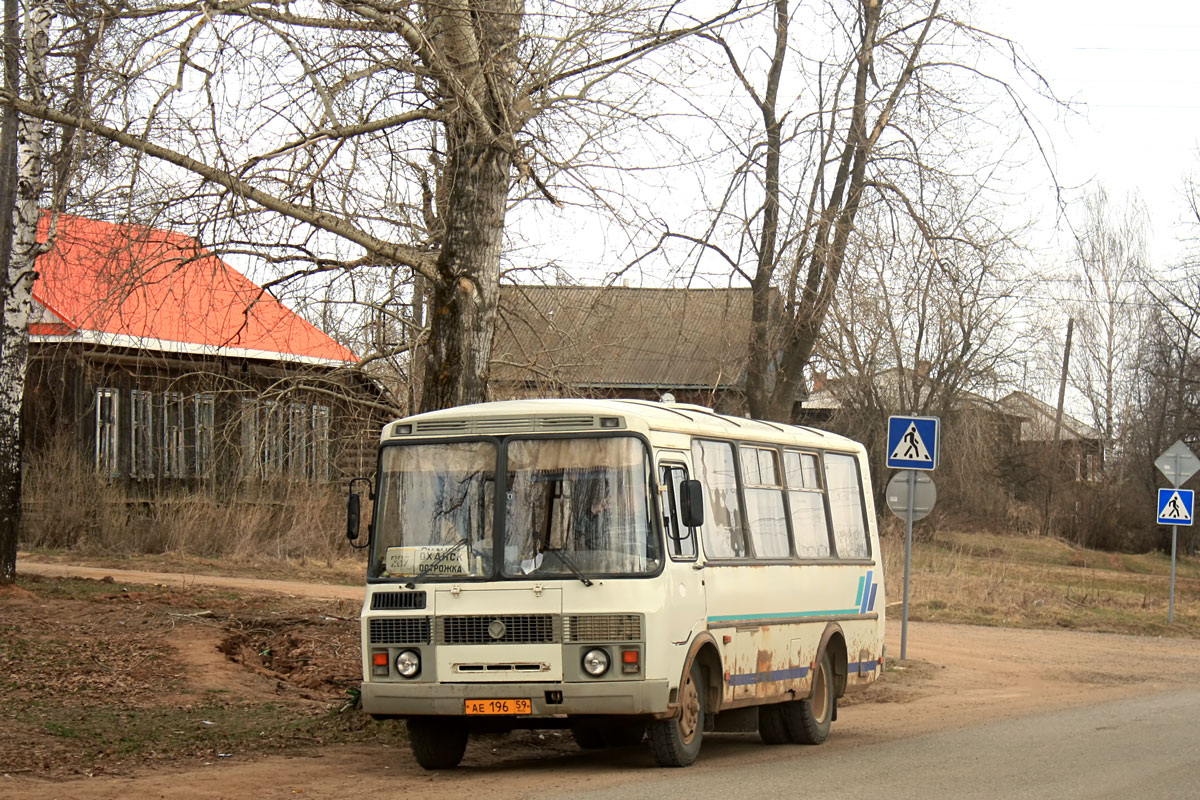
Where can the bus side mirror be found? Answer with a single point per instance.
(691, 504)
(354, 512)
(353, 516)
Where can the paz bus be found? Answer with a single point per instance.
(628, 570)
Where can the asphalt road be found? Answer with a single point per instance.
(1141, 747)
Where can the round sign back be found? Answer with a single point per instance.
(924, 494)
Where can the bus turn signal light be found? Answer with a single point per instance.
(630, 661)
(379, 662)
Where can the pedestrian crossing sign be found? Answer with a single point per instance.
(913, 442)
(1176, 506)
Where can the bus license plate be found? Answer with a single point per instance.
(519, 705)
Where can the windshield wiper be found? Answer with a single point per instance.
(432, 564)
(569, 564)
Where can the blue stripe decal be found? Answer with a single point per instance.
(861, 666)
(837, 612)
(871, 605)
(863, 608)
(752, 678)
(858, 597)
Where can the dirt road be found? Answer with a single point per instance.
(957, 676)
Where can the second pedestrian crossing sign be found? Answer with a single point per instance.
(1176, 506)
(912, 442)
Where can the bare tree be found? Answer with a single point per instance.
(373, 134)
(1110, 308)
(876, 111)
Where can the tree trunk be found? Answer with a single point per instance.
(18, 298)
(480, 39)
(462, 320)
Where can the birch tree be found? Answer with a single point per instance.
(18, 283)
(1110, 308)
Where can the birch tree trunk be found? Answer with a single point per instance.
(18, 297)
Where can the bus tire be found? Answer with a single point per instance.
(676, 742)
(588, 737)
(625, 735)
(437, 742)
(808, 720)
(771, 727)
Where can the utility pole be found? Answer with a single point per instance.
(1058, 413)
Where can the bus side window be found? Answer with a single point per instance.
(846, 506)
(681, 541)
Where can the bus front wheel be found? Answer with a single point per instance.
(437, 742)
(808, 720)
(676, 742)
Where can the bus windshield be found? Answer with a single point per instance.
(434, 513)
(578, 506)
(572, 507)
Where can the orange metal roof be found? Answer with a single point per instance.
(128, 284)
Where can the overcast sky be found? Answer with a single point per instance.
(1134, 68)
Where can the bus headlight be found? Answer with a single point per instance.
(595, 662)
(408, 663)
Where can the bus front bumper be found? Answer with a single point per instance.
(448, 699)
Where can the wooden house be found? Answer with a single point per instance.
(166, 367)
(616, 341)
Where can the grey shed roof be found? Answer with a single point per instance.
(601, 337)
(1039, 420)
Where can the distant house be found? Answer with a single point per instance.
(1021, 427)
(622, 342)
(165, 366)
(1079, 448)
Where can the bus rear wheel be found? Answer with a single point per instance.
(676, 742)
(437, 742)
(808, 721)
(771, 727)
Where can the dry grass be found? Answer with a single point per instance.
(68, 507)
(1035, 582)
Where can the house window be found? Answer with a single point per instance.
(174, 454)
(298, 439)
(251, 463)
(271, 442)
(107, 416)
(285, 440)
(141, 434)
(320, 443)
(205, 407)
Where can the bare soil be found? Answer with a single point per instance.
(121, 685)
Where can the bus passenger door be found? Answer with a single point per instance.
(684, 602)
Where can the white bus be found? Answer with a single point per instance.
(624, 569)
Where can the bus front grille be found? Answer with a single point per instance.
(499, 629)
(602, 628)
(392, 601)
(399, 630)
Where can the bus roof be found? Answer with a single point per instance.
(578, 415)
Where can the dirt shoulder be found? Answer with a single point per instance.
(309, 589)
(150, 685)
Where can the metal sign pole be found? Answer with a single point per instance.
(1174, 537)
(908, 519)
(1177, 465)
(1171, 604)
